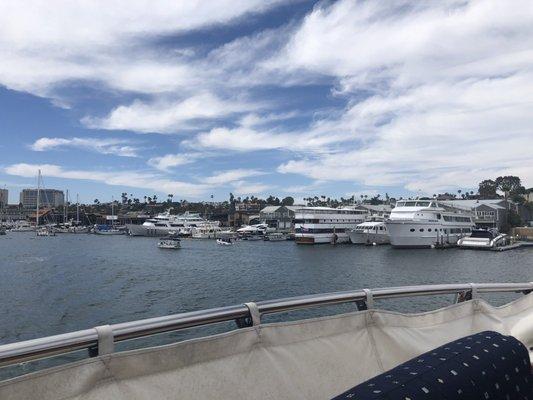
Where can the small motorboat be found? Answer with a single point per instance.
(46, 231)
(169, 242)
(224, 242)
(483, 239)
(275, 237)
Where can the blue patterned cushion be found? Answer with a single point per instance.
(485, 366)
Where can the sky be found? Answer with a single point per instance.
(259, 97)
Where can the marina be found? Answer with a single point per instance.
(120, 278)
(265, 200)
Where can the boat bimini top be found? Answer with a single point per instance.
(317, 358)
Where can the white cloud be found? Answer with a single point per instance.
(47, 44)
(233, 175)
(119, 147)
(168, 161)
(243, 138)
(168, 117)
(135, 179)
(449, 91)
(244, 188)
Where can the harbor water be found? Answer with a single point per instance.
(52, 285)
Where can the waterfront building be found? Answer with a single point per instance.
(47, 198)
(325, 225)
(279, 217)
(12, 213)
(488, 213)
(3, 197)
(243, 214)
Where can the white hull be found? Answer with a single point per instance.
(168, 247)
(483, 243)
(368, 238)
(110, 232)
(423, 234)
(204, 235)
(140, 230)
(320, 238)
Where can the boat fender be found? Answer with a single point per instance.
(254, 313)
(106, 342)
(369, 299)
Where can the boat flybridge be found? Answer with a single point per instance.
(427, 223)
(468, 350)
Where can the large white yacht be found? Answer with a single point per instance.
(325, 225)
(427, 223)
(166, 223)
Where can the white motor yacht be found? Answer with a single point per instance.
(165, 223)
(314, 225)
(369, 233)
(206, 231)
(252, 232)
(427, 223)
(22, 226)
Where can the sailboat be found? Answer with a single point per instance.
(45, 230)
(109, 230)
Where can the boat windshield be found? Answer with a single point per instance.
(422, 203)
(481, 233)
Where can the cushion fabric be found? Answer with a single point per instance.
(484, 366)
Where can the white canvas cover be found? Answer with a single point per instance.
(311, 359)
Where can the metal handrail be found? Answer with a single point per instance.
(28, 350)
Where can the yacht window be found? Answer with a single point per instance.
(410, 203)
(380, 228)
(412, 229)
(429, 229)
(400, 203)
(422, 203)
(433, 204)
(438, 216)
(421, 229)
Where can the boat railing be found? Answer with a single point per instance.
(248, 314)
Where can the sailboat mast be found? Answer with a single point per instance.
(112, 211)
(77, 209)
(66, 209)
(38, 195)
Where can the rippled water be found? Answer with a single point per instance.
(52, 285)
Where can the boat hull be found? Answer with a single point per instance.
(411, 234)
(140, 230)
(320, 238)
(368, 238)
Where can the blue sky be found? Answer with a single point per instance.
(265, 97)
